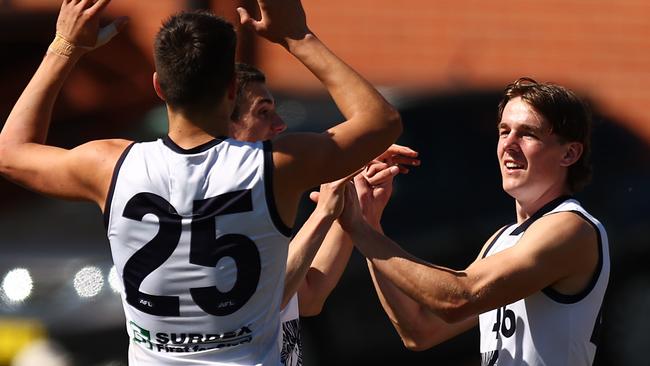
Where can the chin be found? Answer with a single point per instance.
(513, 189)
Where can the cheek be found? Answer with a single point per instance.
(542, 159)
(500, 149)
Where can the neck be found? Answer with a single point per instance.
(527, 208)
(189, 129)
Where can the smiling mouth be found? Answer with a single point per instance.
(511, 165)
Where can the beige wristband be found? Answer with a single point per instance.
(61, 46)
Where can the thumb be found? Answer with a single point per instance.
(244, 17)
(108, 32)
(314, 196)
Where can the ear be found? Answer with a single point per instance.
(157, 88)
(572, 153)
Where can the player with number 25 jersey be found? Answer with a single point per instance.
(182, 225)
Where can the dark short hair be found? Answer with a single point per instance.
(568, 115)
(194, 53)
(245, 74)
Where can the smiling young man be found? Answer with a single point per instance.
(537, 286)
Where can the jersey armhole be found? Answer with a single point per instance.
(268, 191)
(496, 237)
(572, 299)
(111, 189)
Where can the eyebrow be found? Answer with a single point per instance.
(264, 101)
(524, 127)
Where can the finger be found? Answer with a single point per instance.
(98, 6)
(83, 4)
(375, 168)
(351, 195)
(108, 32)
(314, 196)
(405, 160)
(402, 150)
(397, 150)
(383, 176)
(403, 169)
(361, 184)
(245, 18)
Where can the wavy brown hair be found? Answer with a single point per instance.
(568, 115)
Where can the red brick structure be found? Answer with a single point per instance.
(599, 48)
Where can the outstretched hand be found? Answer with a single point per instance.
(401, 156)
(78, 24)
(330, 199)
(374, 187)
(280, 21)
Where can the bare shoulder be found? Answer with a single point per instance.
(103, 147)
(563, 228)
(95, 162)
(565, 241)
(100, 154)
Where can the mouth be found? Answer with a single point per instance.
(512, 165)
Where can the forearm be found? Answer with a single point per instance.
(302, 250)
(351, 92)
(418, 327)
(408, 317)
(30, 118)
(325, 271)
(355, 97)
(440, 290)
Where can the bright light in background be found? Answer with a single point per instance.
(114, 280)
(17, 285)
(88, 282)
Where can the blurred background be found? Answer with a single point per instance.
(443, 63)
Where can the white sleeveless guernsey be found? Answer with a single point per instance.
(200, 251)
(547, 328)
(290, 342)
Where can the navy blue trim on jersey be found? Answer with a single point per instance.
(487, 250)
(268, 188)
(195, 150)
(541, 212)
(111, 189)
(572, 299)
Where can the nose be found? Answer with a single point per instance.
(510, 140)
(278, 125)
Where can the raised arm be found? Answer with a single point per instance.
(371, 123)
(306, 243)
(325, 271)
(81, 173)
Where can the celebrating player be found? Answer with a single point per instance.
(537, 286)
